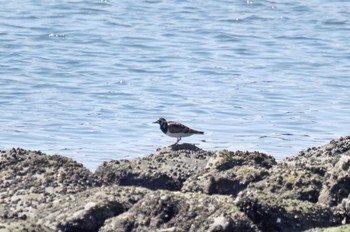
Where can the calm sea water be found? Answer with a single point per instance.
(86, 79)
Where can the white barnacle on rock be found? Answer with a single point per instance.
(90, 205)
(164, 198)
(278, 220)
(346, 204)
(343, 222)
(221, 221)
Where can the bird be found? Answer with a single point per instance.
(176, 129)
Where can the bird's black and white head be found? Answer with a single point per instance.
(163, 124)
(161, 121)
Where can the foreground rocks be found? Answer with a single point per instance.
(29, 180)
(189, 169)
(174, 211)
(181, 188)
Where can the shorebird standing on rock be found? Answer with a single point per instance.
(175, 129)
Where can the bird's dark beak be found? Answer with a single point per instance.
(156, 122)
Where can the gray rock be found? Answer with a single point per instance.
(336, 184)
(183, 188)
(166, 169)
(272, 213)
(176, 168)
(83, 211)
(88, 210)
(30, 179)
(316, 175)
(344, 228)
(289, 181)
(175, 211)
(311, 184)
(230, 172)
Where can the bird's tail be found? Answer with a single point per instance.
(198, 132)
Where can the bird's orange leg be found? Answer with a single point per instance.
(177, 141)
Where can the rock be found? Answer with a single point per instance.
(166, 169)
(336, 186)
(83, 211)
(30, 179)
(345, 205)
(288, 181)
(315, 181)
(344, 210)
(345, 228)
(229, 172)
(271, 213)
(175, 211)
(24, 226)
(195, 170)
(316, 175)
(88, 210)
(180, 188)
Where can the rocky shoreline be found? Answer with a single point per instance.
(181, 188)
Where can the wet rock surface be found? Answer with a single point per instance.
(280, 214)
(190, 169)
(166, 169)
(318, 175)
(229, 172)
(30, 179)
(179, 188)
(175, 211)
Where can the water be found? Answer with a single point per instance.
(86, 79)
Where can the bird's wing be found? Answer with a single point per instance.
(175, 127)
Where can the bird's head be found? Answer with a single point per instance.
(161, 121)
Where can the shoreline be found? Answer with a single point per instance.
(180, 188)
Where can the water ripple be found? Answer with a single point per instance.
(86, 79)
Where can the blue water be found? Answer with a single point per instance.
(86, 79)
